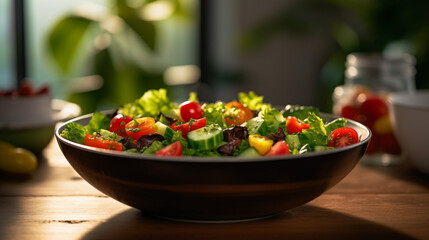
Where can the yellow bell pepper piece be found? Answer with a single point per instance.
(260, 143)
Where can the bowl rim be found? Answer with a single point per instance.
(61, 111)
(394, 99)
(206, 159)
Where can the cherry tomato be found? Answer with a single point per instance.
(139, 127)
(389, 144)
(174, 149)
(342, 137)
(43, 90)
(10, 93)
(190, 110)
(194, 126)
(279, 148)
(234, 104)
(294, 126)
(117, 125)
(237, 114)
(17, 160)
(98, 142)
(374, 107)
(351, 112)
(25, 89)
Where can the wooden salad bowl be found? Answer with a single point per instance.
(213, 188)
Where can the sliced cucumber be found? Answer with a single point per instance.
(206, 138)
(257, 125)
(322, 148)
(108, 135)
(164, 130)
(293, 141)
(250, 152)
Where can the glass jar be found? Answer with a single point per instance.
(369, 78)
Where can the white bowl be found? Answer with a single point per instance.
(25, 111)
(410, 118)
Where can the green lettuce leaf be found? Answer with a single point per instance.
(337, 123)
(177, 136)
(316, 135)
(74, 132)
(252, 100)
(257, 125)
(193, 97)
(154, 147)
(300, 112)
(151, 104)
(97, 122)
(272, 117)
(214, 113)
(243, 146)
(316, 123)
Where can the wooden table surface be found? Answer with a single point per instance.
(370, 203)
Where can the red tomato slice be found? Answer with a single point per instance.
(94, 141)
(279, 148)
(294, 126)
(342, 137)
(174, 149)
(197, 124)
(194, 126)
(190, 110)
(184, 128)
(138, 127)
(117, 125)
(175, 127)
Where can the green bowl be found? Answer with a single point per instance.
(36, 138)
(33, 139)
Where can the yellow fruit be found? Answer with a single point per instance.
(383, 125)
(6, 146)
(18, 160)
(260, 143)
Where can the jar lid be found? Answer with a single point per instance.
(375, 60)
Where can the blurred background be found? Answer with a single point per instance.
(102, 53)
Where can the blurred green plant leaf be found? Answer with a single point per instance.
(65, 38)
(345, 35)
(125, 82)
(258, 35)
(144, 29)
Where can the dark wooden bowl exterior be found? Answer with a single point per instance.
(198, 188)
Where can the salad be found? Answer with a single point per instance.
(246, 127)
